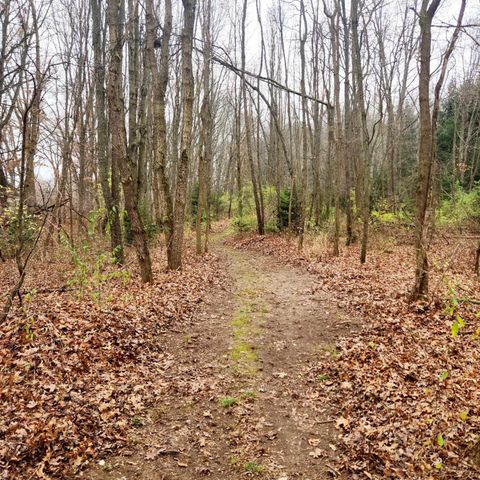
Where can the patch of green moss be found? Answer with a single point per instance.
(244, 359)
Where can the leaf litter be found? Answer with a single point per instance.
(76, 375)
(408, 390)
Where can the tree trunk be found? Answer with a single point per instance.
(119, 155)
(248, 129)
(364, 180)
(427, 142)
(205, 133)
(304, 156)
(110, 193)
(187, 111)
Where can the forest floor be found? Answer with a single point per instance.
(407, 383)
(254, 360)
(247, 404)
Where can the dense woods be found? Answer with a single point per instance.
(147, 116)
(338, 136)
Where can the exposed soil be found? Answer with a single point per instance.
(239, 401)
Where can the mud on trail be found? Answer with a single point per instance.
(239, 399)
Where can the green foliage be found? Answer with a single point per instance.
(284, 208)
(460, 208)
(247, 394)
(384, 215)
(29, 329)
(228, 402)
(219, 204)
(151, 228)
(453, 310)
(275, 209)
(458, 114)
(95, 217)
(245, 223)
(463, 415)
(9, 224)
(90, 269)
(137, 422)
(443, 376)
(270, 205)
(253, 467)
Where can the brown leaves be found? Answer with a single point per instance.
(403, 384)
(91, 368)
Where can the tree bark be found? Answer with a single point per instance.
(119, 155)
(205, 133)
(248, 129)
(364, 180)
(187, 111)
(427, 142)
(110, 194)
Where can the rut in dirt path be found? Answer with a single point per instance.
(238, 399)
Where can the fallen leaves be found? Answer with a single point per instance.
(79, 379)
(408, 391)
(317, 453)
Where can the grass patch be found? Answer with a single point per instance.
(243, 352)
(248, 395)
(328, 351)
(253, 467)
(244, 359)
(242, 355)
(241, 320)
(137, 422)
(228, 402)
(248, 292)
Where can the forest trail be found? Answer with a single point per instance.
(241, 400)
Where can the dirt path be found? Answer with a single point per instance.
(239, 400)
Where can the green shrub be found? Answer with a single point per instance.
(246, 223)
(383, 214)
(284, 207)
(91, 269)
(149, 225)
(461, 208)
(9, 223)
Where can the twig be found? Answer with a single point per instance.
(16, 289)
(334, 470)
(164, 451)
(469, 300)
(62, 289)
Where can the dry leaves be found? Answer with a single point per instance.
(409, 392)
(75, 374)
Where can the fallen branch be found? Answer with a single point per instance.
(62, 289)
(474, 301)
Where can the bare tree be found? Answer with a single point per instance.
(206, 132)
(119, 154)
(108, 173)
(186, 138)
(427, 139)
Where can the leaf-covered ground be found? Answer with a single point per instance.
(79, 365)
(242, 364)
(409, 391)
